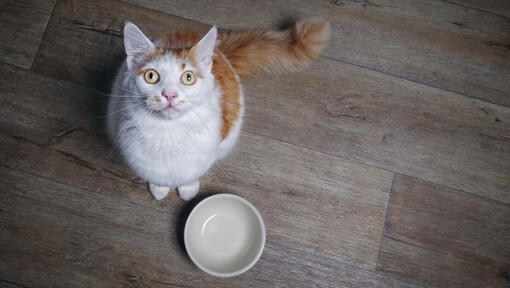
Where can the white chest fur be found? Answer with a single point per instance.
(169, 152)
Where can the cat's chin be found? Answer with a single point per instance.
(170, 113)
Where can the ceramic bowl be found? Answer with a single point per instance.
(224, 235)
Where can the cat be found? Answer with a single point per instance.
(177, 103)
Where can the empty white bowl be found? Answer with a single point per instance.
(224, 235)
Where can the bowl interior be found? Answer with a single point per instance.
(224, 235)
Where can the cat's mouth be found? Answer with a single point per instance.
(159, 104)
(170, 111)
(166, 109)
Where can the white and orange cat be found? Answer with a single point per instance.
(177, 102)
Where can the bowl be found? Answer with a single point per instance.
(224, 235)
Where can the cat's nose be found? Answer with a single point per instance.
(169, 95)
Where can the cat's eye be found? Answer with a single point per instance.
(151, 76)
(188, 78)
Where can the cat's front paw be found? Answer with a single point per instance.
(158, 192)
(188, 191)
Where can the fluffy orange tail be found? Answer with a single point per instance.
(252, 52)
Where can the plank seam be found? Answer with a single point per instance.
(81, 188)
(44, 35)
(414, 81)
(385, 220)
(456, 190)
(14, 283)
(477, 9)
(374, 166)
(344, 261)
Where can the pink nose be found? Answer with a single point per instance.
(169, 95)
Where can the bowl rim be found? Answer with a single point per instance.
(259, 218)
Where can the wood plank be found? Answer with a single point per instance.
(83, 239)
(83, 43)
(499, 7)
(30, 105)
(432, 42)
(301, 197)
(22, 25)
(10, 284)
(311, 199)
(357, 114)
(301, 211)
(445, 238)
(386, 122)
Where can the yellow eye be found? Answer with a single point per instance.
(188, 78)
(151, 76)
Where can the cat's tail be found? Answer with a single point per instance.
(252, 52)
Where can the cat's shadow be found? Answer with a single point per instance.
(103, 79)
(286, 23)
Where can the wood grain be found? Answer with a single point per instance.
(90, 28)
(343, 216)
(494, 6)
(316, 156)
(22, 25)
(386, 122)
(445, 238)
(437, 43)
(343, 110)
(84, 239)
(11, 284)
(310, 201)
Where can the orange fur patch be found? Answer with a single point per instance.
(179, 40)
(231, 93)
(178, 43)
(275, 51)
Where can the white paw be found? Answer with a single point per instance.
(189, 191)
(158, 192)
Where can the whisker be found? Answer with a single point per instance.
(75, 124)
(123, 89)
(125, 96)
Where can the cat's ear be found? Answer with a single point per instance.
(204, 50)
(137, 45)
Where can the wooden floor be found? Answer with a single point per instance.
(385, 164)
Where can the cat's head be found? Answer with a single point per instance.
(171, 79)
